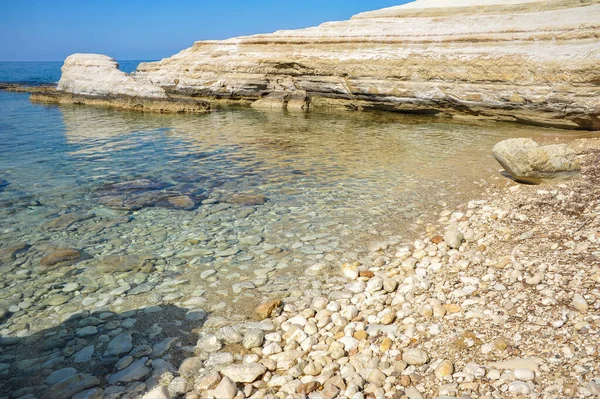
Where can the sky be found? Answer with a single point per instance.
(50, 30)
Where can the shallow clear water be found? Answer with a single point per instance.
(272, 194)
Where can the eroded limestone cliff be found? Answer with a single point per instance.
(527, 61)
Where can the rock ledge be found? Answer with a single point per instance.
(524, 61)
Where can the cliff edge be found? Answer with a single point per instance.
(526, 61)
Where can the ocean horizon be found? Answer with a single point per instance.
(36, 73)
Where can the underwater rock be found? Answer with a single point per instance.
(62, 257)
(123, 263)
(67, 220)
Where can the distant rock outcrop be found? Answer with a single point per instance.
(99, 75)
(526, 61)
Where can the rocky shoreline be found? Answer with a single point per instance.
(499, 299)
(142, 104)
(527, 61)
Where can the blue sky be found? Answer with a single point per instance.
(50, 30)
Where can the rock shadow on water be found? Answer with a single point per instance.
(99, 354)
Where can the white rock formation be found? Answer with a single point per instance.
(528, 162)
(99, 75)
(527, 61)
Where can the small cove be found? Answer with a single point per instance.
(272, 194)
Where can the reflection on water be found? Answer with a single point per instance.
(265, 194)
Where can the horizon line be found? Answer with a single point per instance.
(64, 60)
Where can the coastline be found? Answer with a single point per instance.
(499, 316)
(181, 104)
(512, 313)
(273, 245)
(166, 105)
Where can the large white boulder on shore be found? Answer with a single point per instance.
(99, 76)
(525, 61)
(528, 162)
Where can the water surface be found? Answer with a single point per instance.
(40, 73)
(268, 195)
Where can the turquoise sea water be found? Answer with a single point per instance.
(37, 73)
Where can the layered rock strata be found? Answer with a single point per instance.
(526, 61)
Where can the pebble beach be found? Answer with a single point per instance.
(498, 298)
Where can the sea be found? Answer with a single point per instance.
(217, 211)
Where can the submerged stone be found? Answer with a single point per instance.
(65, 221)
(136, 185)
(9, 254)
(134, 372)
(62, 257)
(71, 386)
(122, 343)
(246, 199)
(181, 202)
(123, 263)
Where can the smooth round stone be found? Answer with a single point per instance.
(52, 363)
(141, 350)
(87, 331)
(230, 335)
(388, 318)
(84, 355)
(253, 338)
(390, 285)
(251, 240)
(14, 309)
(209, 343)
(454, 238)
(444, 369)
(128, 323)
(519, 387)
(374, 284)
(70, 287)
(524, 374)
(207, 273)
(124, 362)
(413, 393)
(356, 287)
(60, 375)
(190, 367)
(122, 343)
(226, 389)
(196, 315)
(244, 372)
(57, 300)
(415, 357)
(171, 297)
(376, 377)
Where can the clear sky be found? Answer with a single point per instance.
(50, 30)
